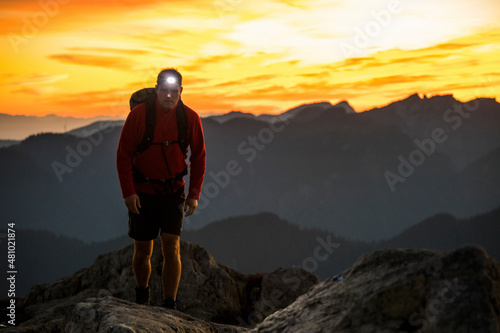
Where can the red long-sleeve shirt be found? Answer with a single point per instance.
(151, 162)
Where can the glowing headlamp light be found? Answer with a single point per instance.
(171, 80)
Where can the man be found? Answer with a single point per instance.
(153, 187)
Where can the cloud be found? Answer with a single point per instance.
(322, 90)
(35, 91)
(448, 46)
(199, 63)
(30, 79)
(6, 75)
(113, 62)
(247, 80)
(109, 102)
(110, 50)
(392, 79)
(299, 93)
(208, 102)
(313, 75)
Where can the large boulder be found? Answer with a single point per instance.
(208, 290)
(398, 290)
(113, 315)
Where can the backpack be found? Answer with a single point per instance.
(148, 96)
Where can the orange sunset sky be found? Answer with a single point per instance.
(84, 58)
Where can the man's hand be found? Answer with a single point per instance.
(133, 203)
(190, 206)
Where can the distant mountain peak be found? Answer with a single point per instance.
(415, 100)
(302, 107)
(300, 111)
(232, 115)
(347, 107)
(95, 127)
(445, 98)
(240, 113)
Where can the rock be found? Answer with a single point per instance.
(109, 314)
(386, 291)
(401, 291)
(208, 290)
(278, 289)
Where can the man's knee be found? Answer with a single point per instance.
(143, 250)
(170, 246)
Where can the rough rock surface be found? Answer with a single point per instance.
(401, 291)
(113, 315)
(208, 291)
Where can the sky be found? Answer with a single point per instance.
(85, 58)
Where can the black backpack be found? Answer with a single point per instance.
(148, 96)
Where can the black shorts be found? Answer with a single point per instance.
(158, 213)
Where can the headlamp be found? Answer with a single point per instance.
(171, 80)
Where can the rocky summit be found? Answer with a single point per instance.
(387, 291)
(100, 298)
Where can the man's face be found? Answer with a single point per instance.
(168, 94)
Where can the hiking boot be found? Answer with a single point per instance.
(142, 295)
(170, 303)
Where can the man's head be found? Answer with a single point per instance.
(169, 88)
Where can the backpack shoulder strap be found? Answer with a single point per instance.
(148, 96)
(182, 127)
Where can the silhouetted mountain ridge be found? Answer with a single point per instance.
(446, 232)
(463, 128)
(19, 127)
(264, 242)
(366, 176)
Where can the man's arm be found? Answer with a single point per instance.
(125, 156)
(198, 165)
(190, 206)
(133, 203)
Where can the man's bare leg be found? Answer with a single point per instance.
(141, 262)
(171, 273)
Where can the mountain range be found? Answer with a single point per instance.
(18, 127)
(363, 176)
